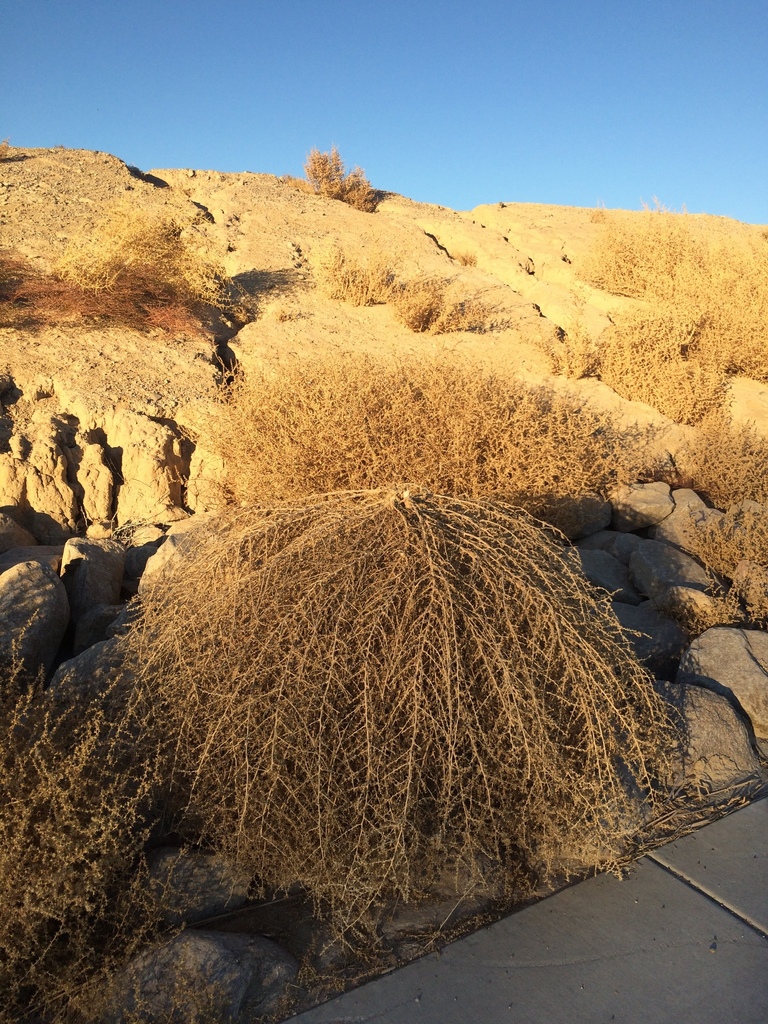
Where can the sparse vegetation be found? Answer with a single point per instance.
(465, 257)
(73, 821)
(328, 177)
(5, 149)
(412, 687)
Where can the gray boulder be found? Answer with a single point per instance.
(716, 752)
(621, 545)
(34, 612)
(670, 578)
(93, 625)
(640, 505)
(585, 515)
(190, 885)
(690, 515)
(91, 672)
(733, 662)
(47, 554)
(182, 540)
(658, 641)
(92, 570)
(607, 572)
(201, 976)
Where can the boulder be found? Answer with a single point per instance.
(640, 505)
(690, 514)
(136, 559)
(181, 541)
(658, 641)
(669, 577)
(92, 571)
(46, 554)
(203, 975)
(91, 672)
(733, 662)
(607, 572)
(620, 545)
(190, 885)
(582, 516)
(34, 612)
(715, 752)
(12, 535)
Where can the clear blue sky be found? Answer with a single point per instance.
(457, 102)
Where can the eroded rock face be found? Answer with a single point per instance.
(732, 661)
(34, 612)
(34, 479)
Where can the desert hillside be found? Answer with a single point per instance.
(368, 569)
(88, 388)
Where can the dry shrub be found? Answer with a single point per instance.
(424, 305)
(74, 800)
(574, 353)
(328, 177)
(359, 423)
(144, 268)
(657, 359)
(703, 284)
(742, 534)
(465, 257)
(366, 687)
(5, 149)
(340, 276)
(726, 462)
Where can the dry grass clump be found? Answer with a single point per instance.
(726, 462)
(363, 283)
(702, 287)
(73, 819)
(374, 685)
(146, 267)
(359, 423)
(5, 149)
(328, 177)
(657, 358)
(135, 269)
(465, 257)
(424, 305)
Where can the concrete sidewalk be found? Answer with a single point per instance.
(683, 940)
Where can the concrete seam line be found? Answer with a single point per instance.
(708, 894)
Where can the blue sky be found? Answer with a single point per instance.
(458, 102)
